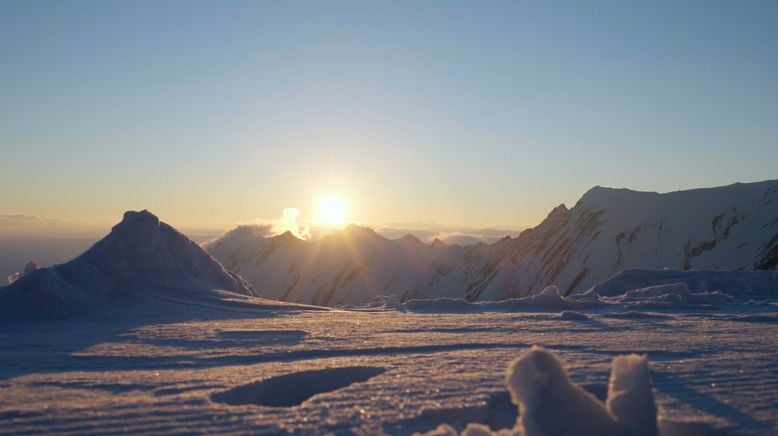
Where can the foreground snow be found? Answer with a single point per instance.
(178, 362)
(551, 404)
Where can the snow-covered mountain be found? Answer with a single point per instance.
(140, 253)
(608, 230)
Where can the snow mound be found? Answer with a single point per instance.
(547, 300)
(571, 315)
(139, 253)
(679, 288)
(551, 404)
(668, 296)
(730, 282)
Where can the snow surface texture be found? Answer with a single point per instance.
(162, 365)
(139, 253)
(608, 230)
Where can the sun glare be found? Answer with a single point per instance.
(333, 211)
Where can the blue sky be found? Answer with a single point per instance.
(458, 113)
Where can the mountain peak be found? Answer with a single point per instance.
(139, 251)
(144, 216)
(287, 237)
(600, 197)
(409, 238)
(139, 232)
(438, 244)
(357, 230)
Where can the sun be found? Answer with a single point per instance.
(333, 211)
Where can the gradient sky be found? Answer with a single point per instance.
(458, 113)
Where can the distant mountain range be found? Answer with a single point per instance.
(733, 227)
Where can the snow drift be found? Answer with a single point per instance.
(670, 296)
(139, 253)
(743, 283)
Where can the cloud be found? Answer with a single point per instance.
(18, 225)
(289, 221)
(458, 238)
(450, 235)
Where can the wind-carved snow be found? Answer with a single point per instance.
(158, 365)
(608, 230)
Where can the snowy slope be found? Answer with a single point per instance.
(730, 227)
(345, 267)
(139, 253)
(172, 367)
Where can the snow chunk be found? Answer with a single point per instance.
(679, 288)
(571, 315)
(549, 298)
(669, 296)
(389, 301)
(551, 404)
(483, 430)
(539, 384)
(630, 395)
(442, 430)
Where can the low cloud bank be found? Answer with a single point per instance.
(449, 235)
(18, 225)
(460, 238)
(291, 220)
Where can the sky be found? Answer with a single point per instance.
(463, 114)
